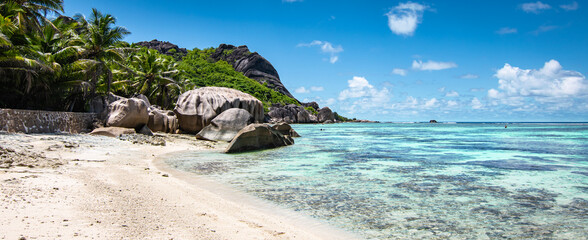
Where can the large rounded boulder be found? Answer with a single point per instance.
(196, 108)
(226, 125)
(257, 137)
(128, 113)
(325, 114)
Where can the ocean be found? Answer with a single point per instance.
(421, 180)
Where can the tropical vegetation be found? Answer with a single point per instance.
(62, 63)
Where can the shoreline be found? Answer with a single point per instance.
(109, 188)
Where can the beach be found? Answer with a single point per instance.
(93, 187)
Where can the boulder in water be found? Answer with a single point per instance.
(285, 129)
(226, 125)
(257, 137)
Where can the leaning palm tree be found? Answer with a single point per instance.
(100, 37)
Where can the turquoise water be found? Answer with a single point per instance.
(422, 181)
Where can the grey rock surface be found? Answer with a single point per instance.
(257, 137)
(196, 108)
(226, 125)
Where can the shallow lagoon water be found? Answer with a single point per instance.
(461, 181)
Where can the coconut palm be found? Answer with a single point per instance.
(152, 74)
(30, 15)
(100, 37)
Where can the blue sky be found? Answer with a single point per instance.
(394, 60)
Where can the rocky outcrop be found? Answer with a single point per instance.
(313, 105)
(165, 48)
(285, 129)
(112, 131)
(291, 114)
(252, 65)
(325, 114)
(128, 113)
(196, 108)
(226, 125)
(257, 137)
(162, 120)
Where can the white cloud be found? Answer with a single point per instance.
(301, 90)
(441, 89)
(432, 65)
(330, 101)
(404, 18)
(317, 89)
(452, 94)
(544, 28)
(312, 89)
(535, 7)
(291, 1)
(431, 103)
(469, 76)
(451, 103)
(570, 7)
(550, 85)
(359, 87)
(399, 71)
(476, 104)
(326, 47)
(363, 96)
(506, 30)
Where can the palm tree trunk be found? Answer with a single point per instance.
(109, 80)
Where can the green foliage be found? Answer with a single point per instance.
(61, 64)
(201, 71)
(341, 118)
(311, 110)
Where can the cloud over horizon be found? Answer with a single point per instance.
(550, 84)
(404, 18)
(326, 47)
(363, 95)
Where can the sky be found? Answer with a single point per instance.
(393, 60)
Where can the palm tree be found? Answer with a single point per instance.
(152, 75)
(29, 15)
(100, 37)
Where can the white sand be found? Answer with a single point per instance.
(113, 189)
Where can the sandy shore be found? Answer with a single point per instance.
(93, 187)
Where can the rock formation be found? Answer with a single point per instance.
(128, 113)
(162, 120)
(325, 114)
(291, 114)
(256, 137)
(112, 131)
(313, 105)
(226, 125)
(285, 129)
(196, 108)
(166, 48)
(252, 65)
